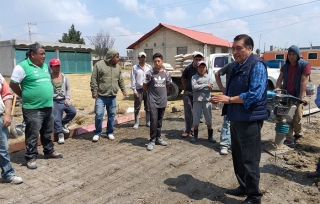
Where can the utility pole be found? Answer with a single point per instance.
(29, 26)
(259, 41)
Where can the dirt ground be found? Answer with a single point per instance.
(123, 171)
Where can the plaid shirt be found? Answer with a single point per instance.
(258, 78)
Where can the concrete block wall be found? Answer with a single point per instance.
(7, 57)
(166, 41)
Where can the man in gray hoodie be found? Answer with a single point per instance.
(293, 77)
(105, 82)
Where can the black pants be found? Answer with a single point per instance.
(38, 120)
(246, 154)
(156, 116)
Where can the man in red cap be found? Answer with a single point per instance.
(61, 100)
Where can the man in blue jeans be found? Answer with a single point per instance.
(61, 101)
(105, 79)
(31, 80)
(225, 131)
(246, 108)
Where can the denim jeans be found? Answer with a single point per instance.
(7, 170)
(110, 103)
(246, 154)
(38, 120)
(58, 108)
(225, 134)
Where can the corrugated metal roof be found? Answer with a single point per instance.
(206, 38)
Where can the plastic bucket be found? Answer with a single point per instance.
(310, 90)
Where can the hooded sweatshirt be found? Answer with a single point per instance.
(301, 64)
(106, 78)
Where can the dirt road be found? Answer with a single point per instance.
(123, 171)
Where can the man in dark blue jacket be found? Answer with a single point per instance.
(246, 99)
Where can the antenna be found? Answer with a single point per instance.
(29, 26)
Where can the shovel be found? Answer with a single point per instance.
(12, 129)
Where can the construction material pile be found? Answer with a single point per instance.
(182, 61)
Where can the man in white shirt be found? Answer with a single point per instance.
(138, 74)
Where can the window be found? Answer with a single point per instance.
(212, 50)
(220, 61)
(312, 56)
(147, 45)
(154, 44)
(279, 56)
(182, 50)
(149, 53)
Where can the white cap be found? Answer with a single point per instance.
(142, 54)
(195, 53)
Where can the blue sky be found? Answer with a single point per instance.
(128, 20)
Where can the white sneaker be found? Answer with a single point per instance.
(110, 136)
(14, 180)
(65, 129)
(61, 138)
(223, 151)
(95, 138)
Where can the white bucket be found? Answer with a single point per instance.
(310, 90)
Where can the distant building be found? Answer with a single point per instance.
(171, 40)
(311, 55)
(75, 58)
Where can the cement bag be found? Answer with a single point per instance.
(180, 59)
(187, 56)
(178, 56)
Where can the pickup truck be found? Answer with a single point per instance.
(215, 62)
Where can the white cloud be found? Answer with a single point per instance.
(141, 10)
(213, 11)
(110, 21)
(247, 5)
(124, 38)
(177, 14)
(71, 11)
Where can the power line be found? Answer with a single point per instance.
(254, 14)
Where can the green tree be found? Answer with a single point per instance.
(73, 36)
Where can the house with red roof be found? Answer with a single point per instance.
(172, 40)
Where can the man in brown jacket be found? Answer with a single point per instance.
(105, 82)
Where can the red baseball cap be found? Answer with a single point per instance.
(55, 62)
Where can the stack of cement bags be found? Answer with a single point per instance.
(182, 60)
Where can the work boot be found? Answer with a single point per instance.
(148, 118)
(136, 121)
(210, 136)
(195, 136)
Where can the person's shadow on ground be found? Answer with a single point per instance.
(139, 141)
(202, 139)
(197, 190)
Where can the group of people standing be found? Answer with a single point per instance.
(244, 110)
(46, 96)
